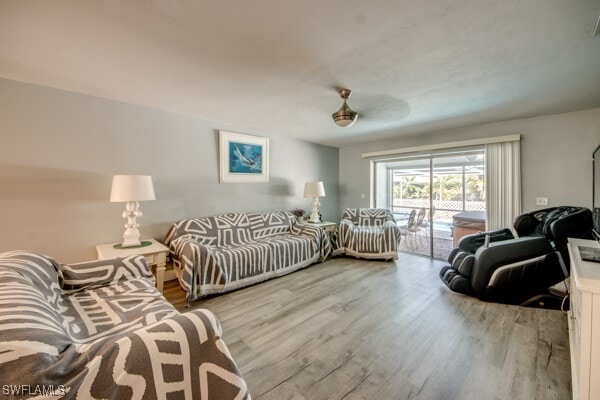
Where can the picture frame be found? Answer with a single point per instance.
(243, 158)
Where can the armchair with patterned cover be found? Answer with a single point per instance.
(101, 330)
(370, 233)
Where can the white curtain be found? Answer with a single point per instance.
(503, 184)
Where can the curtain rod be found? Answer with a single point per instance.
(429, 147)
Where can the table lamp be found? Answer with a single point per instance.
(314, 190)
(131, 189)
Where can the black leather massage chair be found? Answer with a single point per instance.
(496, 266)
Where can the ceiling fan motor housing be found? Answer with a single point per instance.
(345, 116)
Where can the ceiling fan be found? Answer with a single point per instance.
(345, 116)
(377, 110)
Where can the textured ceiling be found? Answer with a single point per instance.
(270, 67)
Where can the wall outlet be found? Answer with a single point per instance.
(541, 201)
(362, 196)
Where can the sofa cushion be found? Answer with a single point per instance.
(30, 301)
(264, 225)
(242, 262)
(110, 296)
(365, 240)
(289, 249)
(25, 307)
(119, 307)
(94, 274)
(29, 278)
(201, 230)
(270, 255)
(43, 272)
(220, 230)
(231, 229)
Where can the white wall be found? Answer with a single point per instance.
(556, 157)
(59, 151)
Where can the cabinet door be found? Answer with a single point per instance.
(584, 324)
(594, 348)
(575, 305)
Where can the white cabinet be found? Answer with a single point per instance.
(584, 323)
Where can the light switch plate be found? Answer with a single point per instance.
(541, 201)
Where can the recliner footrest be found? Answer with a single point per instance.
(455, 281)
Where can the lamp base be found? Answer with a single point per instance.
(131, 236)
(314, 218)
(131, 241)
(314, 215)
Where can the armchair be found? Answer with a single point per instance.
(368, 233)
(497, 266)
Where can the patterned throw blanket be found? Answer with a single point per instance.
(369, 233)
(100, 330)
(229, 251)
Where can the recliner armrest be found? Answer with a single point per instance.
(509, 251)
(519, 250)
(470, 243)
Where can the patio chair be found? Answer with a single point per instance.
(418, 228)
(425, 225)
(415, 226)
(408, 229)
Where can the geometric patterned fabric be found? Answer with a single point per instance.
(370, 233)
(228, 251)
(102, 330)
(368, 217)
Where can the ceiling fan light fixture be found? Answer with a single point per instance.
(345, 116)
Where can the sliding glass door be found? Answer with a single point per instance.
(411, 202)
(458, 193)
(436, 198)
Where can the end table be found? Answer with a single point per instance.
(325, 225)
(155, 254)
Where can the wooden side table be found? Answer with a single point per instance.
(325, 225)
(155, 254)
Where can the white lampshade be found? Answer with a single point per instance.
(314, 189)
(131, 188)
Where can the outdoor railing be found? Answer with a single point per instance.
(443, 210)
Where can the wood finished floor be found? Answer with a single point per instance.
(350, 329)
